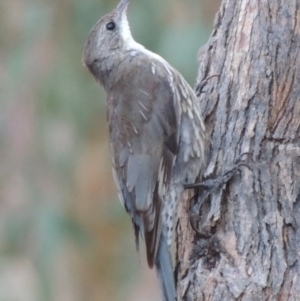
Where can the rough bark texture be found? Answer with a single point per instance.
(252, 225)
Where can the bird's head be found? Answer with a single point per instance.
(110, 35)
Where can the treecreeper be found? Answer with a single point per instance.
(156, 134)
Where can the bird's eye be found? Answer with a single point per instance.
(111, 25)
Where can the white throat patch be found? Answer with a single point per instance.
(127, 37)
(131, 44)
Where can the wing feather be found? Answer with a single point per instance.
(144, 139)
(132, 172)
(146, 181)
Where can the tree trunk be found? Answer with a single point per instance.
(247, 242)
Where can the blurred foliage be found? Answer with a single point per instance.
(63, 234)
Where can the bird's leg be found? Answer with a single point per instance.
(204, 83)
(215, 183)
(206, 188)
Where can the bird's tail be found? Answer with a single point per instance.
(164, 270)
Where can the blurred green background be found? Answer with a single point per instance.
(63, 234)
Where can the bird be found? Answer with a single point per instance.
(156, 132)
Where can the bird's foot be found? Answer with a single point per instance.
(204, 189)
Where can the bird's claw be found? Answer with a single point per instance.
(207, 187)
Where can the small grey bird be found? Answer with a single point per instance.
(156, 134)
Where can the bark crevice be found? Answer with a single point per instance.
(250, 105)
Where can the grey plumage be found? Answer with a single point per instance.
(164, 270)
(156, 134)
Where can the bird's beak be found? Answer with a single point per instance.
(122, 6)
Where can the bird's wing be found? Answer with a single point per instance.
(144, 141)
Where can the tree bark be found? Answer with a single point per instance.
(247, 242)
